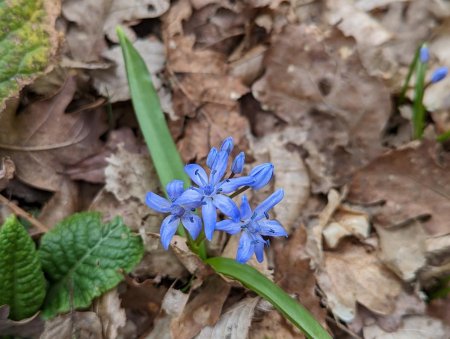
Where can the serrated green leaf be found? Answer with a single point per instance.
(27, 42)
(284, 303)
(84, 258)
(22, 282)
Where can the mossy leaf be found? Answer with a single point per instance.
(28, 42)
(22, 282)
(84, 258)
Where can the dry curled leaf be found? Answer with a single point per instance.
(7, 169)
(84, 325)
(112, 315)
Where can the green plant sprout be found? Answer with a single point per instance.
(419, 66)
(208, 194)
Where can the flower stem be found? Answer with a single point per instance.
(239, 191)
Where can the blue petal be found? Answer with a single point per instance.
(192, 223)
(246, 211)
(174, 189)
(245, 249)
(238, 163)
(268, 203)
(157, 203)
(197, 174)
(190, 198)
(271, 228)
(259, 249)
(262, 174)
(219, 168)
(209, 218)
(226, 206)
(168, 228)
(212, 156)
(227, 145)
(231, 185)
(229, 226)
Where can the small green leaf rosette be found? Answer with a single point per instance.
(22, 283)
(83, 258)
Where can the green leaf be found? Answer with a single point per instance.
(28, 42)
(151, 119)
(22, 283)
(84, 258)
(258, 283)
(418, 119)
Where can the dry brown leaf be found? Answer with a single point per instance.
(63, 203)
(356, 23)
(31, 327)
(84, 325)
(234, 323)
(413, 327)
(112, 315)
(274, 326)
(403, 249)
(291, 173)
(320, 85)
(412, 181)
(353, 275)
(7, 169)
(203, 310)
(43, 139)
(294, 275)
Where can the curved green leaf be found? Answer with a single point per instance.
(22, 283)
(151, 119)
(28, 41)
(257, 282)
(84, 258)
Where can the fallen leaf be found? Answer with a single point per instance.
(353, 275)
(346, 222)
(77, 324)
(294, 275)
(203, 310)
(412, 181)
(112, 316)
(320, 85)
(30, 327)
(403, 249)
(414, 327)
(42, 139)
(234, 323)
(273, 325)
(7, 170)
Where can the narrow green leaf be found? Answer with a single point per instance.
(151, 119)
(84, 258)
(257, 282)
(412, 67)
(418, 119)
(22, 282)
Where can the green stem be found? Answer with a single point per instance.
(239, 191)
(418, 107)
(412, 67)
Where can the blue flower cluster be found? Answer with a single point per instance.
(439, 73)
(211, 193)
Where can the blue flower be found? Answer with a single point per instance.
(254, 225)
(424, 54)
(439, 74)
(227, 145)
(178, 213)
(262, 175)
(210, 191)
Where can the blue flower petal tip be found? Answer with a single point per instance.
(439, 74)
(227, 145)
(238, 163)
(424, 54)
(262, 175)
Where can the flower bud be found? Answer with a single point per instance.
(212, 156)
(262, 175)
(227, 145)
(439, 74)
(424, 54)
(238, 163)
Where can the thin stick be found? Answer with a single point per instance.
(20, 212)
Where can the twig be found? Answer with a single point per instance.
(20, 212)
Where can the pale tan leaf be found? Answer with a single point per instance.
(112, 315)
